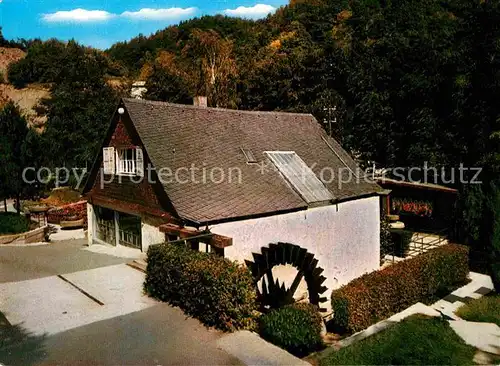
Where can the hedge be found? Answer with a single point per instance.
(215, 290)
(12, 223)
(296, 328)
(380, 294)
(386, 244)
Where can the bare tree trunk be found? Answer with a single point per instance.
(5, 204)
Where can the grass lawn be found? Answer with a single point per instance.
(12, 223)
(417, 340)
(486, 309)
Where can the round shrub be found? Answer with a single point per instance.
(295, 328)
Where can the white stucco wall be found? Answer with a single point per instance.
(150, 235)
(90, 224)
(345, 238)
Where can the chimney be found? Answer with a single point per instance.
(138, 89)
(200, 101)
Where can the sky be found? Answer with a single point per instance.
(102, 23)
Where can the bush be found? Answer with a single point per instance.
(12, 223)
(296, 328)
(20, 73)
(213, 289)
(400, 242)
(62, 196)
(386, 243)
(380, 294)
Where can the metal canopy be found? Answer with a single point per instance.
(300, 176)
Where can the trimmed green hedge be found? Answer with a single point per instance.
(380, 294)
(216, 291)
(296, 328)
(12, 223)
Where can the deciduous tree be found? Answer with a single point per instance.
(19, 149)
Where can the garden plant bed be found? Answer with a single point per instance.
(427, 341)
(71, 212)
(33, 236)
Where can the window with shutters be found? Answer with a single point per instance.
(129, 162)
(109, 160)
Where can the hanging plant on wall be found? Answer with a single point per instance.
(419, 208)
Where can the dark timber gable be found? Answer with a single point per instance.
(123, 193)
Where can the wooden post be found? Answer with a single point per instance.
(18, 203)
(195, 244)
(117, 227)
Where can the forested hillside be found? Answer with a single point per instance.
(413, 81)
(408, 77)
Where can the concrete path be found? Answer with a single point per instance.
(483, 336)
(159, 335)
(116, 251)
(24, 263)
(65, 305)
(54, 304)
(253, 350)
(66, 234)
(479, 286)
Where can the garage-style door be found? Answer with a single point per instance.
(114, 227)
(129, 230)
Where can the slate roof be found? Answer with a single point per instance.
(178, 136)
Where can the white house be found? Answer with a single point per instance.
(268, 189)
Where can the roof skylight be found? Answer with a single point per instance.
(249, 156)
(300, 176)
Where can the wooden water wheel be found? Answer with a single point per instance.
(274, 294)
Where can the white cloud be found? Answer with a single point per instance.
(159, 14)
(78, 15)
(253, 12)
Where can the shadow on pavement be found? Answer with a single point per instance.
(18, 346)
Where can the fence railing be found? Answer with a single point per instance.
(422, 242)
(129, 239)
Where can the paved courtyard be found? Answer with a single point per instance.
(24, 263)
(60, 303)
